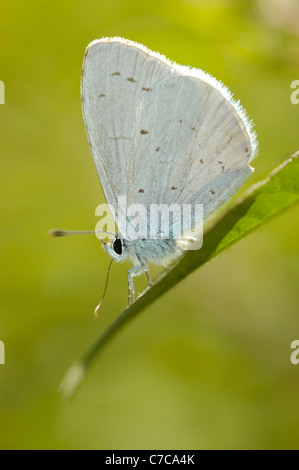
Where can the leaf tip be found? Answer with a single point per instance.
(72, 380)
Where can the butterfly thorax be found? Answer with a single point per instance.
(156, 251)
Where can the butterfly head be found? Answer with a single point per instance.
(116, 249)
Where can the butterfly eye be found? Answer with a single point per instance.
(117, 246)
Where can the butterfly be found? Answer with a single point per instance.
(160, 134)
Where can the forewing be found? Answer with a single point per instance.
(161, 133)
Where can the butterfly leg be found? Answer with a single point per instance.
(136, 271)
(145, 268)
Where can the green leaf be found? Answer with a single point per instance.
(262, 202)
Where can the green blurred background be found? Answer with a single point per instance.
(208, 365)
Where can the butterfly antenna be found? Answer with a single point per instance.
(65, 233)
(104, 293)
